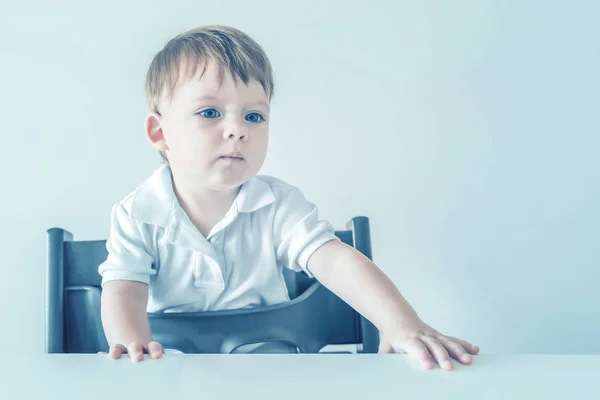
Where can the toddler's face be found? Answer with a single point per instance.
(216, 135)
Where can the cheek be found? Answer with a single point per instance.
(193, 136)
(259, 148)
(263, 139)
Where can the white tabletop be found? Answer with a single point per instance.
(302, 376)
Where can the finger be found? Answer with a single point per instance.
(136, 351)
(155, 350)
(116, 350)
(466, 345)
(456, 350)
(439, 352)
(101, 352)
(416, 349)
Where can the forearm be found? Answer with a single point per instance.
(360, 283)
(124, 317)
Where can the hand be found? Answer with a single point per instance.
(136, 351)
(425, 344)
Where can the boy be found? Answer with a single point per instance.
(205, 232)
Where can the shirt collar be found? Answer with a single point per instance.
(154, 201)
(254, 195)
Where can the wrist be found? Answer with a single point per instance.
(400, 321)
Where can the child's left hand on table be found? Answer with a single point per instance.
(427, 345)
(359, 282)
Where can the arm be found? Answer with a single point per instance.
(360, 283)
(123, 308)
(125, 277)
(125, 321)
(305, 242)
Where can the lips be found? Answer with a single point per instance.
(233, 155)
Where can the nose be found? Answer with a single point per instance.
(235, 130)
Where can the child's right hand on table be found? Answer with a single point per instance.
(136, 351)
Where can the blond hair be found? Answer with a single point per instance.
(230, 49)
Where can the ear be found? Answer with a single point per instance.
(154, 131)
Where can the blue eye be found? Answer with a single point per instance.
(255, 118)
(210, 113)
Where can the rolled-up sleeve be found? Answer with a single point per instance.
(298, 230)
(128, 258)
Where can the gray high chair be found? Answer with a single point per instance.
(312, 319)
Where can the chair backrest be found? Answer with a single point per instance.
(314, 317)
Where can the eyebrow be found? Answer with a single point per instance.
(203, 98)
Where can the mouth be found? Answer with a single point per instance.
(232, 156)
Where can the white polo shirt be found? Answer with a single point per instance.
(270, 226)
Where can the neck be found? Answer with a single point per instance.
(204, 206)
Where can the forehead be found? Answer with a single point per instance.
(207, 78)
